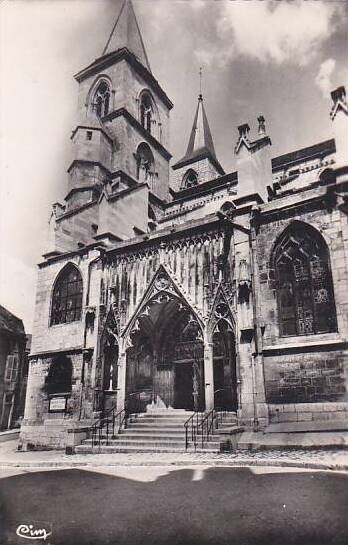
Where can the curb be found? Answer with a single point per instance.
(180, 463)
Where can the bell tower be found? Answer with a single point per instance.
(122, 135)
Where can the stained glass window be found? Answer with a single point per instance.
(67, 297)
(304, 283)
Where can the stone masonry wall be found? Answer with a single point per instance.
(47, 338)
(204, 169)
(306, 378)
(127, 86)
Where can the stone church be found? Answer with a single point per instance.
(172, 285)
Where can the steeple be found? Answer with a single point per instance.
(201, 146)
(126, 34)
(201, 139)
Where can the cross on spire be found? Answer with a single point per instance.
(200, 80)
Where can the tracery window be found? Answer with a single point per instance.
(67, 296)
(190, 179)
(101, 100)
(304, 283)
(146, 112)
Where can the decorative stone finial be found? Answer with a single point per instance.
(339, 98)
(243, 130)
(338, 94)
(262, 126)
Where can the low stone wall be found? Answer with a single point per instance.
(56, 434)
(302, 412)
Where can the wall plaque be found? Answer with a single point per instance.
(58, 404)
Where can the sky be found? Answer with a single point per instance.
(276, 58)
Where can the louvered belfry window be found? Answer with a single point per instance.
(304, 283)
(67, 297)
(102, 99)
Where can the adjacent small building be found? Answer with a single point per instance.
(14, 348)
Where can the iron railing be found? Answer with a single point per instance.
(191, 427)
(104, 429)
(112, 422)
(200, 427)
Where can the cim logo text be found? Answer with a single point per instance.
(28, 531)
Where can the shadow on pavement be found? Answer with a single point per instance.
(228, 506)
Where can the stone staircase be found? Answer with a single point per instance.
(158, 430)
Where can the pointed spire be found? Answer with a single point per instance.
(200, 138)
(126, 33)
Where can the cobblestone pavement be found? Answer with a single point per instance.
(314, 458)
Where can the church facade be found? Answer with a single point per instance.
(172, 284)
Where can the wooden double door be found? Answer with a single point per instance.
(165, 381)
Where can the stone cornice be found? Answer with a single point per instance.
(167, 234)
(300, 347)
(315, 198)
(205, 154)
(92, 163)
(117, 56)
(206, 187)
(90, 128)
(58, 351)
(322, 149)
(123, 112)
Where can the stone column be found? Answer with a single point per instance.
(36, 380)
(208, 374)
(121, 379)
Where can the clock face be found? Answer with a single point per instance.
(221, 310)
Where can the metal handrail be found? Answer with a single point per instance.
(207, 426)
(200, 427)
(191, 427)
(105, 426)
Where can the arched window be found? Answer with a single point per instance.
(101, 99)
(67, 296)
(59, 378)
(190, 179)
(304, 283)
(146, 111)
(145, 163)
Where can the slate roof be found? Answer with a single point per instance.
(126, 33)
(201, 141)
(10, 323)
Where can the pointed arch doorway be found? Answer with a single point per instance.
(165, 364)
(224, 365)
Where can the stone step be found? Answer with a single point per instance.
(143, 437)
(157, 421)
(177, 412)
(113, 449)
(150, 440)
(154, 433)
(172, 419)
(211, 445)
(158, 430)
